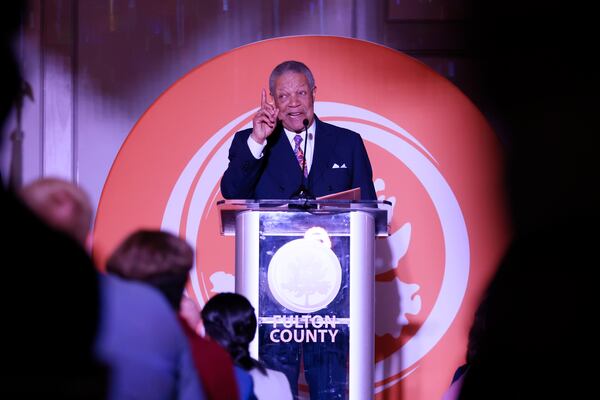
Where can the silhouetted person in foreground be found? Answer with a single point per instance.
(540, 91)
(158, 368)
(163, 261)
(50, 302)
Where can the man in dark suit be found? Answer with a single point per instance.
(265, 162)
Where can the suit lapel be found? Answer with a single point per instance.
(325, 140)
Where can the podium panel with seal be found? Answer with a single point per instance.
(307, 268)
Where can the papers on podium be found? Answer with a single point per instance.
(350, 194)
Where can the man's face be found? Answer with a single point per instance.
(294, 99)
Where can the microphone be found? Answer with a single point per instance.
(303, 193)
(305, 123)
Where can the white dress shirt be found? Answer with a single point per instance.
(257, 149)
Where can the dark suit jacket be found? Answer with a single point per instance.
(277, 174)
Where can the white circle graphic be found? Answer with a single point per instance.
(304, 275)
(409, 152)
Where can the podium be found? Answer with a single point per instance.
(306, 266)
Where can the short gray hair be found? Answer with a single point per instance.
(293, 66)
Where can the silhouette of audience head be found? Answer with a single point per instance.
(229, 319)
(157, 258)
(61, 204)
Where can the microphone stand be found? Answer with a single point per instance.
(303, 193)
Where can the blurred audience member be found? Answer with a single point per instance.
(129, 311)
(157, 258)
(163, 261)
(230, 320)
(142, 341)
(63, 205)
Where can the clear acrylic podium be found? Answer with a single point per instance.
(307, 268)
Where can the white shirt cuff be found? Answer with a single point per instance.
(255, 148)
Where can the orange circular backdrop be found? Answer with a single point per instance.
(434, 157)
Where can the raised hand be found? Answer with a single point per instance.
(265, 120)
